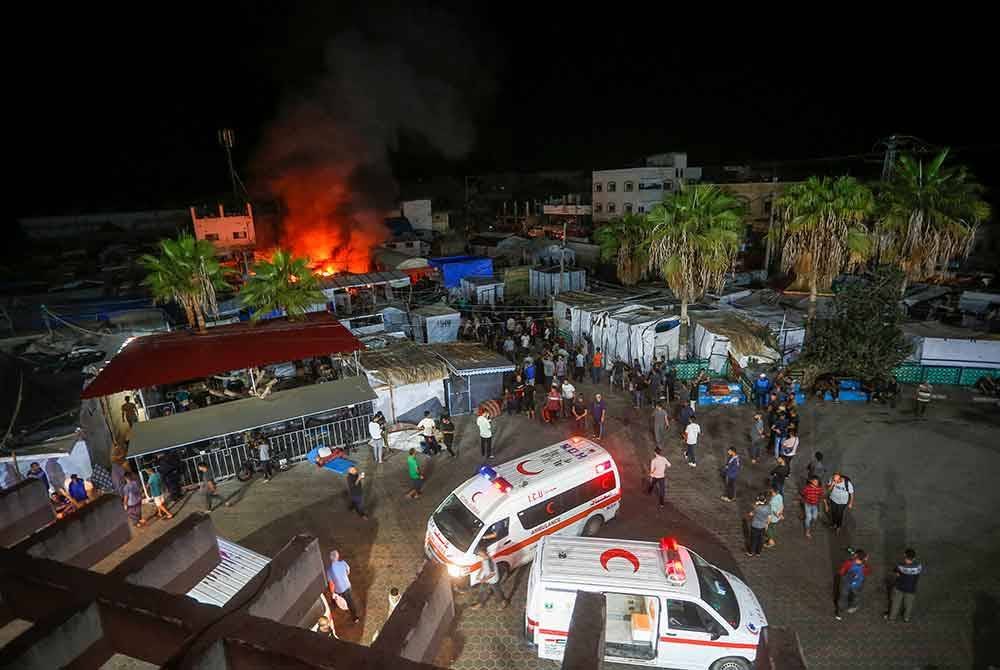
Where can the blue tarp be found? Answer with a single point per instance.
(454, 268)
(339, 465)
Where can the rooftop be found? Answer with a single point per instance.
(465, 358)
(350, 280)
(403, 363)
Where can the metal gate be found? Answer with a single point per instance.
(459, 399)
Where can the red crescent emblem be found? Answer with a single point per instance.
(548, 508)
(620, 553)
(523, 471)
(473, 498)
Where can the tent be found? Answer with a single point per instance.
(453, 268)
(631, 332)
(476, 375)
(547, 281)
(562, 310)
(719, 333)
(407, 378)
(938, 344)
(435, 323)
(482, 290)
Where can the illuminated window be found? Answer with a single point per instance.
(628, 187)
(612, 187)
(240, 235)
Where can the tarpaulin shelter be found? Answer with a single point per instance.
(454, 268)
(476, 375)
(547, 281)
(629, 332)
(938, 344)
(408, 380)
(482, 290)
(435, 323)
(719, 333)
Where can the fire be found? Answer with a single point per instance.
(327, 222)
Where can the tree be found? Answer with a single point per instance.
(282, 283)
(186, 272)
(623, 241)
(928, 216)
(694, 235)
(862, 336)
(823, 221)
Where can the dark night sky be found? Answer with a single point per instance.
(121, 111)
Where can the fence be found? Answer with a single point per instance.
(946, 375)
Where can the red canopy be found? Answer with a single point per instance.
(175, 357)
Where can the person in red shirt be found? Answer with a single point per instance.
(852, 580)
(553, 405)
(597, 366)
(811, 494)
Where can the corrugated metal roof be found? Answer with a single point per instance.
(238, 565)
(348, 280)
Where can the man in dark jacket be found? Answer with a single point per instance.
(729, 473)
(904, 590)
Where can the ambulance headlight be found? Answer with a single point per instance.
(455, 570)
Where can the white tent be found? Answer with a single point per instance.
(483, 290)
(720, 333)
(627, 331)
(935, 343)
(435, 323)
(408, 379)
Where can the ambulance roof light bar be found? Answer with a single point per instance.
(603, 467)
(502, 484)
(487, 472)
(672, 565)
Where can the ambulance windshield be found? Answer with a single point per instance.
(716, 590)
(457, 523)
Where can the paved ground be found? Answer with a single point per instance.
(929, 484)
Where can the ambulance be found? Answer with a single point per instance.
(569, 488)
(666, 606)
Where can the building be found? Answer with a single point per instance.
(227, 231)
(409, 245)
(148, 223)
(638, 189)
(418, 213)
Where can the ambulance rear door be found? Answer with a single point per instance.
(555, 609)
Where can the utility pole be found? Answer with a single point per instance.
(227, 139)
(889, 160)
(562, 255)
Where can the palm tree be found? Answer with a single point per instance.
(186, 272)
(822, 221)
(282, 283)
(694, 235)
(622, 240)
(928, 215)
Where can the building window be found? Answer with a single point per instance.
(767, 207)
(598, 207)
(212, 237)
(628, 187)
(409, 245)
(611, 208)
(240, 235)
(641, 209)
(612, 187)
(668, 186)
(628, 208)
(597, 187)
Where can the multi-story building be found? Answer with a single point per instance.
(638, 189)
(225, 230)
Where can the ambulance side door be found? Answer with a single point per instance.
(688, 633)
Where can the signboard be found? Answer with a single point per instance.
(567, 210)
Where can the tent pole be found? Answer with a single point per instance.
(253, 383)
(142, 402)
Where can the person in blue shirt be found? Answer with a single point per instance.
(340, 582)
(761, 387)
(77, 490)
(730, 472)
(35, 472)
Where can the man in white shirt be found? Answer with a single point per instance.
(485, 434)
(427, 427)
(525, 341)
(581, 362)
(375, 431)
(568, 395)
(658, 474)
(691, 434)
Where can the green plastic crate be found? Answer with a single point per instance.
(689, 368)
(942, 375)
(971, 375)
(909, 374)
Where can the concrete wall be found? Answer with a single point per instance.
(415, 628)
(177, 560)
(61, 645)
(24, 508)
(83, 538)
(294, 580)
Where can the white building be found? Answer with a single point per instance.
(418, 213)
(637, 189)
(227, 230)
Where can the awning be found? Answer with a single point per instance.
(198, 425)
(468, 360)
(167, 358)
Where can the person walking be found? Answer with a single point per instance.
(561, 369)
(132, 499)
(489, 581)
(779, 473)
(776, 502)
(378, 444)
(580, 414)
(427, 428)
(658, 474)
(811, 494)
(759, 518)
(598, 415)
(904, 588)
(553, 405)
(154, 482)
(508, 348)
(528, 402)
(761, 388)
(661, 425)
(130, 412)
(687, 414)
(549, 368)
(670, 381)
(816, 468)
(264, 454)
(416, 475)
(568, 393)
(340, 582)
(596, 366)
(730, 471)
(852, 574)
(790, 447)
(447, 428)
(691, 433)
(354, 492)
(485, 434)
(923, 398)
(580, 361)
(840, 498)
(757, 437)
(779, 430)
(529, 371)
(208, 487)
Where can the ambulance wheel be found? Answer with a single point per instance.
(593, 526)
(731, 664)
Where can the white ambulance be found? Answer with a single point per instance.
(666, 606)
(570, 488)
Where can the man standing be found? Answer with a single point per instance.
(777, 505)
(757, 437)
(759, 517)
(130, 412)
(155, 485)
(485, 434)
(840, 497)
(730, 472)
(779, 429)
(811, 494)
(923, 399)
(508, 347)
(658, 474)
(264, 453)
(525, 342)
(691, 433)
(568, 393)
(598, 414)
(427, 426)
(761, 388)
(416, 476)
(340, 582)
(489, 581)
(687, 414)
(816, 468)
(580, 414)
(670, 380)
(904, 590)
(561, 370)
(790, 447)
(661, 425)
(354, 479)
(447, 427)
(553, 405)
(596, 366)
(208, 487)
(375, 432)
(35, 472)
(581, 361)
(852, 580)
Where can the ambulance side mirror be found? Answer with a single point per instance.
(717, 631)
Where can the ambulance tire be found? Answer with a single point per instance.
(593, 526)
(731, 663)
